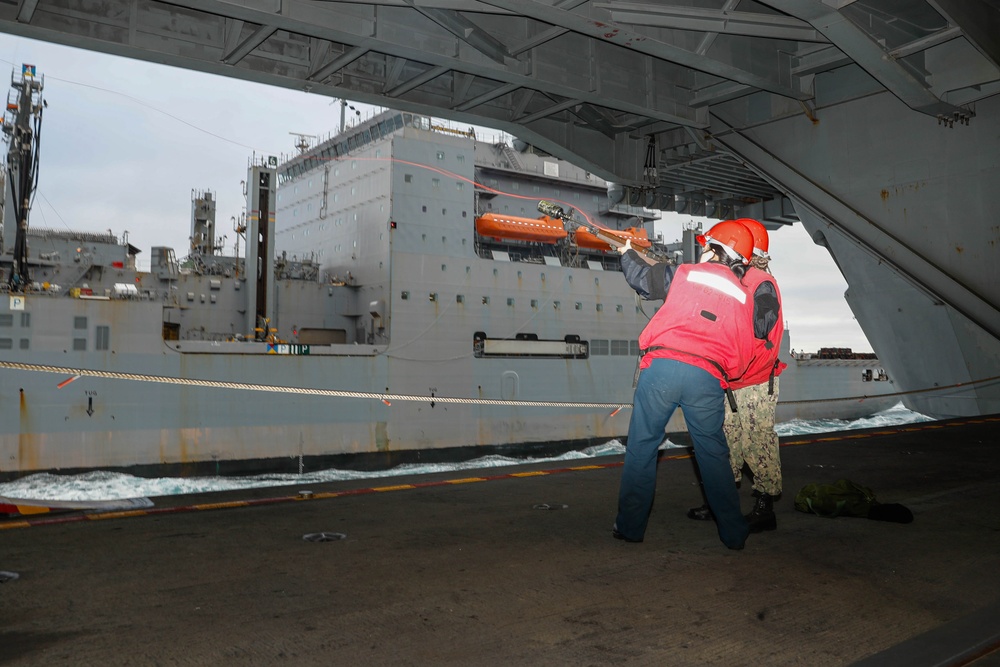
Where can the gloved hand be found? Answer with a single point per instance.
(625, 248)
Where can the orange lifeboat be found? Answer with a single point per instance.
(512, 227)
(637, 235)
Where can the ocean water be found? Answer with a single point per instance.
(102, 485)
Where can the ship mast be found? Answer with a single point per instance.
(22, 125)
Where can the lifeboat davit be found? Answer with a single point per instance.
(512, 227)
(637, 235)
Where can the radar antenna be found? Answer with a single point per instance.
(303, 143)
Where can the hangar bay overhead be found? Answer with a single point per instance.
(874, 123)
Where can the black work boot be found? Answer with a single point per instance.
(762, 517)
(703, 513)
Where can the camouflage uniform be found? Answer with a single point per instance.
(752, 439)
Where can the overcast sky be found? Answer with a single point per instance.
(124, 143)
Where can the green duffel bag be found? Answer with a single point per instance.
(847, 498)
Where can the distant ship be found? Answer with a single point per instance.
(399, 298)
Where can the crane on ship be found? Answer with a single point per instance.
(22, 126)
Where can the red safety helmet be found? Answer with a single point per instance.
(734, 239)
(759, 235)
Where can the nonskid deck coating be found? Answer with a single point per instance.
(438, 572)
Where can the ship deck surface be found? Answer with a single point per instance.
(449, 573)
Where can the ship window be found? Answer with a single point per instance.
(25, 319)
(79, 322)
(444, 211)
(633, 347)
(555, 305)
(510, 301)
(600, 307)
(7, 320)
(597, 281)
(535, 188)
(515, 186)
(619, 308)
(6, 343)
(404, 295)
(459, 185)
(486, 300)
(464, 213)
(354, 164)
(423, 209)
(79, 344)
(24, 343)
(354, 190)
(103, 336)
(336, 172)
(534, 304)
(440, 155)
(619, 348)
(459, 298)
(578, 305)
(599, 346)
(433, 296)
(435, 183)
(444, 267)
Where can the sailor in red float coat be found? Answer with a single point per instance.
(701, 336)
(704, 321)
(768, 330)
(750, 432)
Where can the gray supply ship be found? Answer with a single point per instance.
(399, 298)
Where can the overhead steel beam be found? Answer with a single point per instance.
(466, 30)
(488, 96)
(870, 56)
(255, 39)
(548, 111)
(612, 33)
(25, 10)
(979, 20)
(337, 64)
(416, 82)
(712, 20)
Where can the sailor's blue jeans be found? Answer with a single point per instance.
(662, 387)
